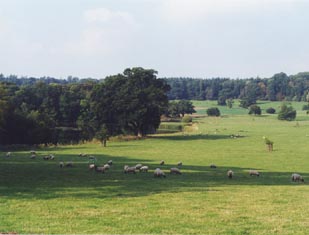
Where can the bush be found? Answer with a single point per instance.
(306, 107)
(213, 112)
(287, 113)
(271, 110)
(254, 109)
(186, 119)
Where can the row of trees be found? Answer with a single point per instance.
(43, 113)
(277, 88)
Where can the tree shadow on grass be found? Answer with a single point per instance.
(187, 137)
(45, 180)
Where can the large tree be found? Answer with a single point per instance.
(130, 102)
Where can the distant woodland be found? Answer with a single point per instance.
(48, 110)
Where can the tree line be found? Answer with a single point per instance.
(48, 110)
(69, 112)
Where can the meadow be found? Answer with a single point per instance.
(37, 196)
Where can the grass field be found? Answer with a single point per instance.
(36, 196)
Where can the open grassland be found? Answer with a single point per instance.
(36, 196)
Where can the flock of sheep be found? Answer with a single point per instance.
(158, 173)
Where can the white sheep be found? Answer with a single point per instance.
(8, 154)
(297, 177)
(144, 169)
(100, 169)
(128, 169)
(107, 166)
(254, 172)
(162, 163)
(175, 170)
(46, 157)
(61, 164)
(110, 162)
(51, 157)
(138, 166)
(159, 173)
(179, 164)
(213, 166)
(33, 152)
(82, 155)
(91, 166)
(230, 174)
(33, 156)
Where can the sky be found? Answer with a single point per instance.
(177, 38)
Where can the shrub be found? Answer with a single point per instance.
(271, 110)
(287, 113)
(254, 109)
(306, 107)
(213, 112)
(186, 119)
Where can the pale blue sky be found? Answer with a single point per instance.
(188, 38)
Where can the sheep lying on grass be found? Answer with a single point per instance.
(33, 156)
(175, 170)
(213, 166)
(230, 174)
(158, 173)
(144, 169)
(82, 155)
(128, 169)
(297, 177)
(33, 152)
(49, 157)
(179, 164)
(254, 172)
(46, 158)
(162, 163)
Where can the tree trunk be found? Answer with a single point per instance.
(104, 142)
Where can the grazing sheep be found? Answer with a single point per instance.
(144, 169)
(8, 154)
(100, 169)
(69, 164)
(179, 164)
(128, 169)
(110, 162)
(33, 156)
(175, 170)
(82, 155)
(61, 164)
(91, 166)
(297, 177)
(162, 163)
(158, 173)
(106, 166)
(254, 172)
(230, 174)
(138, 166)
(51, 157)
(213, 166)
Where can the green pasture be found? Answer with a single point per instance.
(37, 196)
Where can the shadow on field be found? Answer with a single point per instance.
(192, 137)
(23, 178)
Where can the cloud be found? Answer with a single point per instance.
(104, 32)
(187, 11)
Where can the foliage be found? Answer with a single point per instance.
(287, 113)
(229, 103)
(270, 110)
(305, 107)
(214, 111)
(254, 109)
(179, 108)
(222, 100)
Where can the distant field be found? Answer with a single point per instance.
(36, 196)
